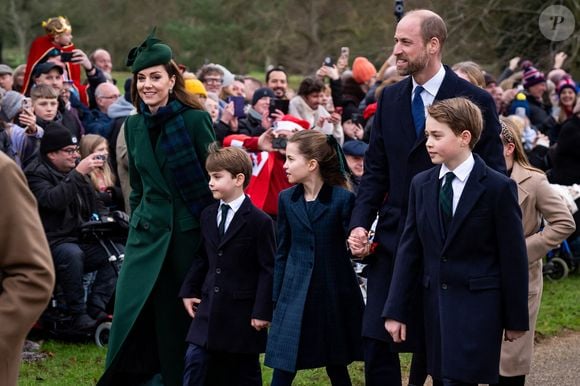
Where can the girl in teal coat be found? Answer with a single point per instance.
(318, 304)
(167, 143)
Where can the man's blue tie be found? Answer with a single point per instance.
(446, 200)
(418, 111)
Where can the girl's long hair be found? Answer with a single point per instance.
(89, 142)
(315, 145)
(510, 134)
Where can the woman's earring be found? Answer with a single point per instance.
(171, 90)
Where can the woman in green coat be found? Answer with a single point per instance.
(167, 143)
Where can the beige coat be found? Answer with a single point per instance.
(537, 200)
(26, 268)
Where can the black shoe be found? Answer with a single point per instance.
(83, 322)
(97, 313)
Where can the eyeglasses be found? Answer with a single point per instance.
(213, 80)
(71, 151)
(110, 97)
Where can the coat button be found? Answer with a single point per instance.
(216, 289)
(444, 286)
(146, 226)
(220, 253)
(218, 270)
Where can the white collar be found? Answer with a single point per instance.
(432, 85)
(235, 203)
(462, 171)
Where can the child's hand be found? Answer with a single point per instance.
(191, 305)
(259, 324)
(511, 335)
(397, 330)
(358, 242)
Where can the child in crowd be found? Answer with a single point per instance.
(463, 240)
(228, 290)
(45, 104)
(318, 313)
(547, 222)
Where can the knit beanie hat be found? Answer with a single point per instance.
(194, 86)
(56, 137)
(228, 78)
(532, 76)
(152, 52)
(363, 70)
(262, 93)
(566, 82)
(10, 105)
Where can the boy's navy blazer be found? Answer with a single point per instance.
(233, 277)
(394, 156)
(474, 281)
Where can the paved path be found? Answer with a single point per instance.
(556, 362)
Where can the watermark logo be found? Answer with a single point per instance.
(557, 23)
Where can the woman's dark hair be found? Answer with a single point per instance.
(315, 145)
(179, 91)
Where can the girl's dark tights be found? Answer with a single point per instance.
(338, 376)
(519, 380)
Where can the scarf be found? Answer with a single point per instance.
(175, 141)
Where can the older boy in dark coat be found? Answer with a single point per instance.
(228, 290)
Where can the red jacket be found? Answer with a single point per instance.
(268, 175)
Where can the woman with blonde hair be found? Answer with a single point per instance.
(547, 222)
(471, 72)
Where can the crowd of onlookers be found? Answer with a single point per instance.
(63, 107)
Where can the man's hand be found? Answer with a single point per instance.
(511, 335)
(81, 58)
(260, 324)
(28, 120)
(90, 163)
(358, 242)
(191, 305)
(265, 141)
(397, 330)
(513, 63)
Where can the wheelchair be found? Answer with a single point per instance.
(56, 322)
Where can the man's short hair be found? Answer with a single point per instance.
(231, 159)
(459, 114)
(309, 86)
(43, 91)
(432, 25)
(273, 69)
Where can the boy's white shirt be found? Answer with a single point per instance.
(235, 204)
(462, 173)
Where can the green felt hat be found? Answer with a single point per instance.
(151, 52)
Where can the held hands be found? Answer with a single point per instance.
(358, 242)
(397, 330)
(259, 324)
(90, 163)
(511, 335)
(191, 305)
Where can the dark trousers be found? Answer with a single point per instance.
(418, 372)
(210, 368)
(71, 262)
(382, 367)
(519, 380)
(338, 376)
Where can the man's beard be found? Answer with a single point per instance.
(415, 66)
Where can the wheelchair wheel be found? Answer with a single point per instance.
(559, 269)
(102, 334)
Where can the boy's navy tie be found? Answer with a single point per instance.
(222, 227)
(446, 200)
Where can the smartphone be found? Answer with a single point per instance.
(279, 142)
(238, 105)
(66, 56)
(279, 104)
(345, 51)
(328, 62)
(26, 103)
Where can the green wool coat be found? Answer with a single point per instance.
(150, 322)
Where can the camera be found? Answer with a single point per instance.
(399, 9)
(328, 61)
(101, 157)
(279, 142)
(66, 56)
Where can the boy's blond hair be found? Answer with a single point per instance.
(459, 114)
(230, 159)
(43, 91)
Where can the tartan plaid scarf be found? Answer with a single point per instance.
(181, 158)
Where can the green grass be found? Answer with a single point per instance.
(82, 364)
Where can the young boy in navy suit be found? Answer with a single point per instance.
(228, 290)
(464, 235)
